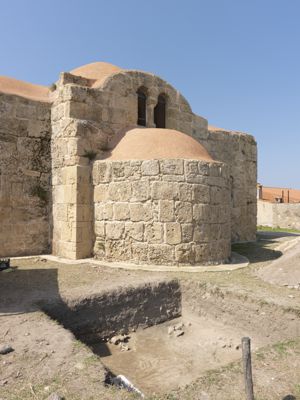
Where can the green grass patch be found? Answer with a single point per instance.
(282, 348)
(277, 229)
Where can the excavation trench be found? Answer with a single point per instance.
(176, 330)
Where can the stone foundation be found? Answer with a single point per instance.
(162, 212)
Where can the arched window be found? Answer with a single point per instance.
(142, 106)
(160, 112)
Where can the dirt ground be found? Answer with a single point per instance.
(47, 358)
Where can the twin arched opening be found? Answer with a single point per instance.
(159, 109)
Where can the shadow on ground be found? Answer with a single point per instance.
(258, 251)
(275, 234)
(21, 290)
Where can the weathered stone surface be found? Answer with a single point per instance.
(151, 219)
(121, 211)
(140, 212)
(135, 230)
(166, 210)
(48, 166)
(183, 211)
(171, 167)
(164, 190)
(150, 167)
(154, 232)
(173, 233)
(114, 230)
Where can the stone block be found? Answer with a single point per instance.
(201, 253)
(173, 178)
(166, 211)
(108, 211)
(164, 190)
(118, 169)
(117, 250)
(100, 229)
(185, 192)
(183, 211)
(150, 167)
(172, 233)
(203, 233)
(187, 232)
(119, 191)
(101, 193)
(139, 252)
(203, 168)
(135, 230)
(154, 232)
(98, 211)
(201, 213)
(140, 212)
(171, 167)
(140, 191)
(201, 193)
(160, 254)
(184, 254)
(121, 211)
(114, 230)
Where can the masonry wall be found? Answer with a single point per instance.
(161, 212)
(239, 152)
(278, 215)
(25, 169)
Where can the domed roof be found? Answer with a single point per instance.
(24, 89)
(97, 71)
(154, 143)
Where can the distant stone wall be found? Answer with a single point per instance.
(278, 215)
(161, 212)
(239, 152)
(25, 169)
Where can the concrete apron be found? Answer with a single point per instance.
(237, 262)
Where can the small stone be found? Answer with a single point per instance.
(238, 347)
(179, 326)
(291, 296)
(55, 396)
(124, 347)
(179, 333)
(5, 349)
(170, 330)
(2, 383)
(119, 339)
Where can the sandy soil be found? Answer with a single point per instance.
(284, 271)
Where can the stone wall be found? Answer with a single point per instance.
(25, 168)
(161, 212)
(86, 120)
(278, 215)
(239, 152)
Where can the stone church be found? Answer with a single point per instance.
(113, 164)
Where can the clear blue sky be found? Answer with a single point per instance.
(236, 61)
